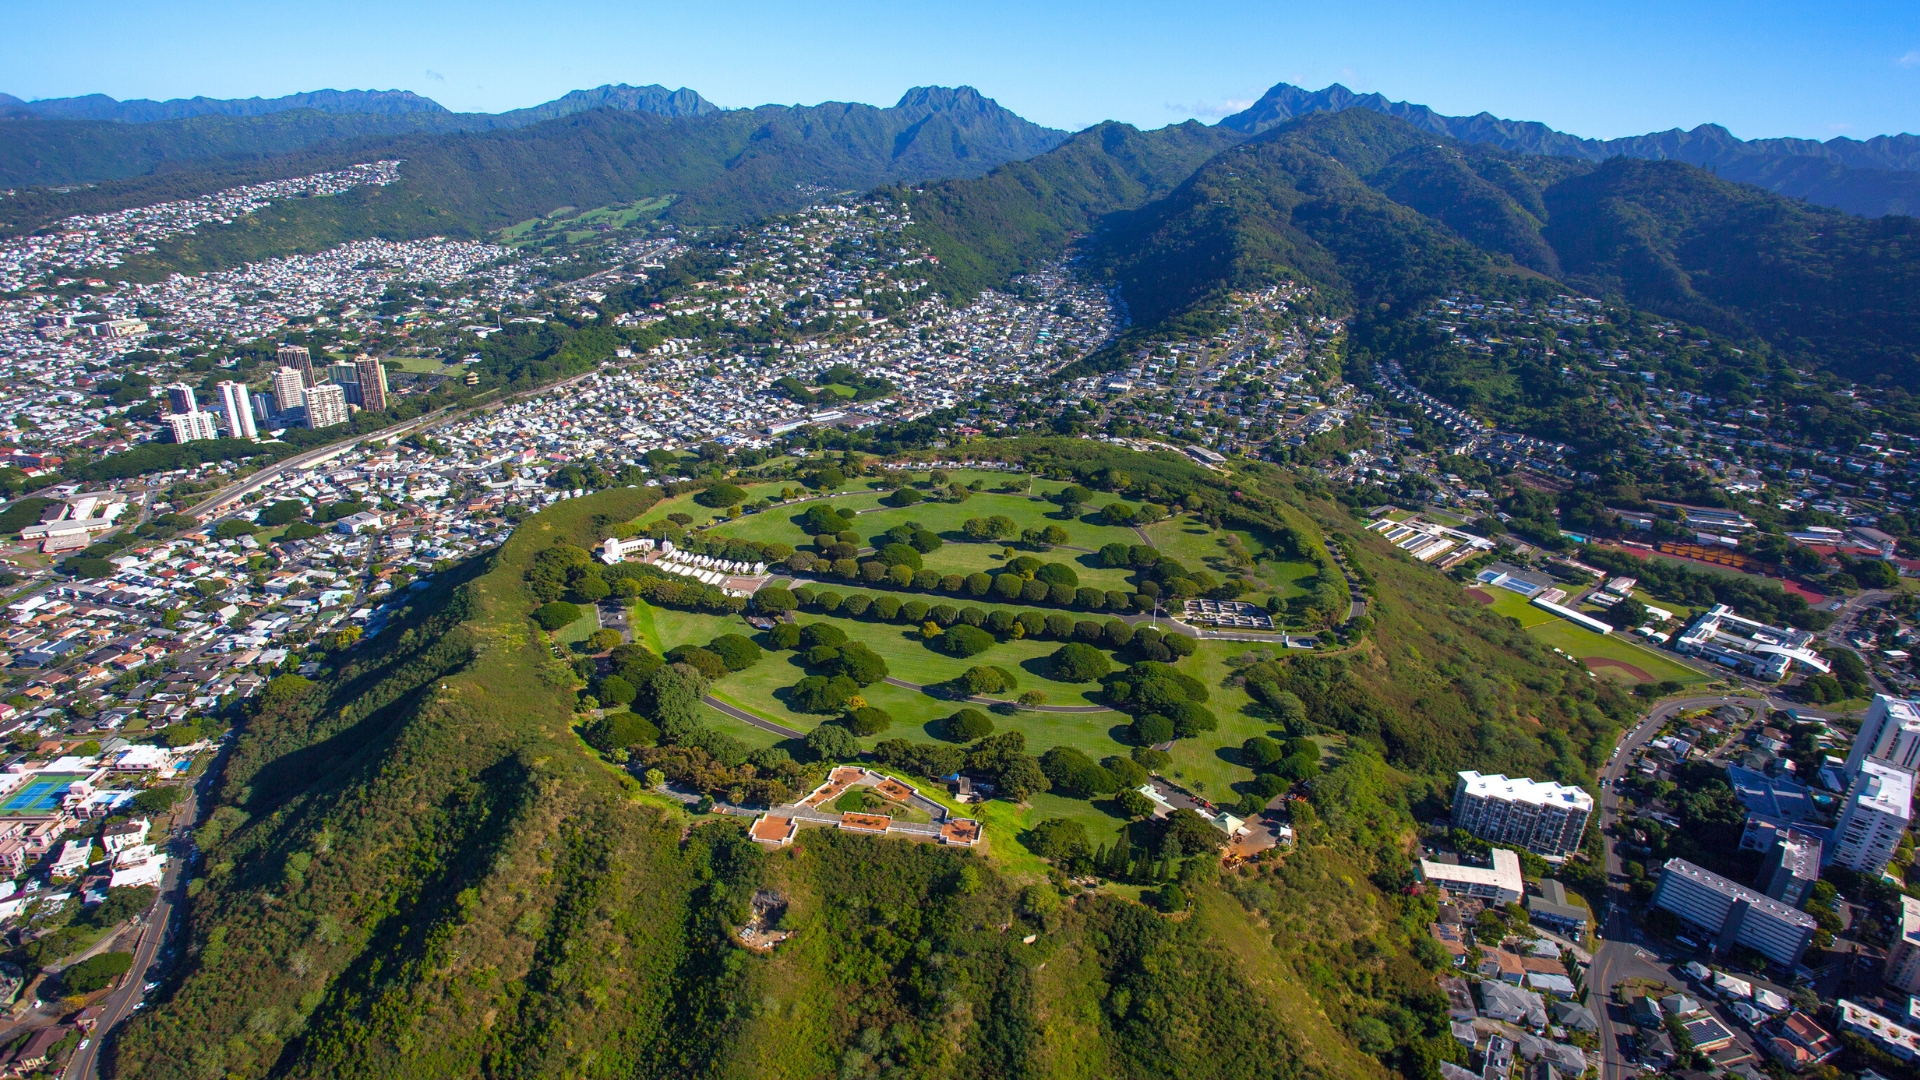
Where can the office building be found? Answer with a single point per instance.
(326, 405)
(371, 375)
(180, 399)
(1890, 735)
(1732, 913)
(1544, 817)
(1791, 867)
(1878, 807)
(193, 426)
(1903, 959)
(238, 410)
(1499, 884)
(290, 388)
(297, 358)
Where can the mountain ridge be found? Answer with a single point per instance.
(1873, 177)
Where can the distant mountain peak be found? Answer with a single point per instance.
(1802, 168)
(144, 111)
(652, 98)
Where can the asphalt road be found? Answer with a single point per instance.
(1622, 953)
(744, 716)
(85, 1063)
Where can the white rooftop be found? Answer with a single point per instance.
(1522, 789)
(1504, 874)
(1886, 789)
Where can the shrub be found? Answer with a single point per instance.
(708, 664)
(1133, 804)
(1035, 591)
(1152, 729)
(614, 690)
(1190, 720)
(921, 759)
(1126, 772)
(831, 742)
(944, 614)
(784, 636)
(1057, 838)
(774, 601)
(1076, 662)
(856, 605)
(1075, 774)
(1169, 897)
(925, 541)
(603, 639)
(737, 652)
(555, 615)
(977, 584)
(1055, 573)
(868, 721)
(856, 661)
(900, 555)
(721, 496)
(1261, 752)
(96, 972)
(914, 612)
(823, 694)
(981, 679)
(904, 496)
(886, 608)
(1150, 759)
(966, 725)
(284, 512)
(1088, 597)
(621, 729)
(963, 641)
(813, 635)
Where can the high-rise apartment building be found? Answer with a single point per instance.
(193, 426)
(1879, 805)
(180, 399)
(1890, 734)
(238, 410)
(1903, 959)
(1733, 913)
(326, 405)
(347, 378)
(1544, 817)
(290, 388)
(371, 374)
(297, 358)
(1792, 866)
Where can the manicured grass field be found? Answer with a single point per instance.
(782, 523)
(579, 629)
(1550, 629)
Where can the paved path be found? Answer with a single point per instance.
(746, 717)
(978, 699)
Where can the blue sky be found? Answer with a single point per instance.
(1595, 70)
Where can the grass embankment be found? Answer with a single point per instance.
(1555, 632)
(417, 870)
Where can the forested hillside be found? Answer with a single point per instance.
(414, 867)
(725, 167)
(1873, 177)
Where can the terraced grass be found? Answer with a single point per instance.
(1550, 629)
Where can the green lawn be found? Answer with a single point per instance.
(1551, 630)
(1197, 545)
(782, 523)
(578, 630)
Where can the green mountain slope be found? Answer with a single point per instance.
(725, 166)
(1026, 212)
(414, 868)
(1877, 176)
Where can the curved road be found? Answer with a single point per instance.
(1618, 955)
(85, 1063)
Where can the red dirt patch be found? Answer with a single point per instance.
(1603, 663)
(1481, 595)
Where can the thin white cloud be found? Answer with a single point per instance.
(435, 76)
(1211, 111)
(1910, 60)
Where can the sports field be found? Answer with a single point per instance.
(1618, 654)
(39, 796)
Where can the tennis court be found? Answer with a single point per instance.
(39, 796)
